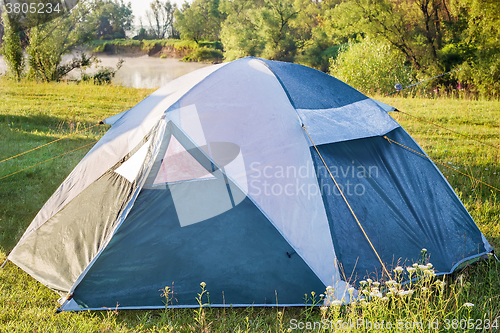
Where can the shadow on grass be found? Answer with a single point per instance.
(23, 194)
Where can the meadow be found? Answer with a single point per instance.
(34, 114)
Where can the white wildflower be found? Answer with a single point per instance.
(410, 269)
(440, 283)
(376, 284)
(398, 269)
(369, 280)
(430, 272)
(469, 305)
(336, 302)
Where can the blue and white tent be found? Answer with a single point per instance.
(227, 176)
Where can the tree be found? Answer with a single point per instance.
(239, 33)
(415, 27)
(202, 20)
(275, 21)
(482, 69)
(48, 42)
(161, 19)
(115, 18)
(261, 28)
(11, 48)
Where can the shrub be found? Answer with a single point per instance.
(372, 67)
(104, 75)
(205, 54)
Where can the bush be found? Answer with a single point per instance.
(104, 75)
(372, 67)
(205, 54)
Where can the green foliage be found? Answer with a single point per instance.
(102, 46)
(239, 32)
(274, 27)
(413, 27)
(289, 30)
(200, 20)
(260, 29)
(205, 54)
(372, 67)
(49, 42)
(318, 52)
(114, 19)
(104, 75)
(11, 49)
(435, 36)
(482, 70)
(105, 45)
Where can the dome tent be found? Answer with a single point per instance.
(213, 178)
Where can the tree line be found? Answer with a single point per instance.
(371, 44)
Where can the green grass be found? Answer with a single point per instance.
(34, 114)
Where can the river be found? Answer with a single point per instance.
(139, 72)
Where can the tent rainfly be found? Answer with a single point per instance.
(265, 180)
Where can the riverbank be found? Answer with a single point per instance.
(189, 51)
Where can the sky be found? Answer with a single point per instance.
(139, 8)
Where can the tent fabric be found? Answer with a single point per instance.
(59, 262)
(383, 183)
(212, 178)
(354, 121)
(308, 88)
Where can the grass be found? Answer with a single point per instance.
(34, 114)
